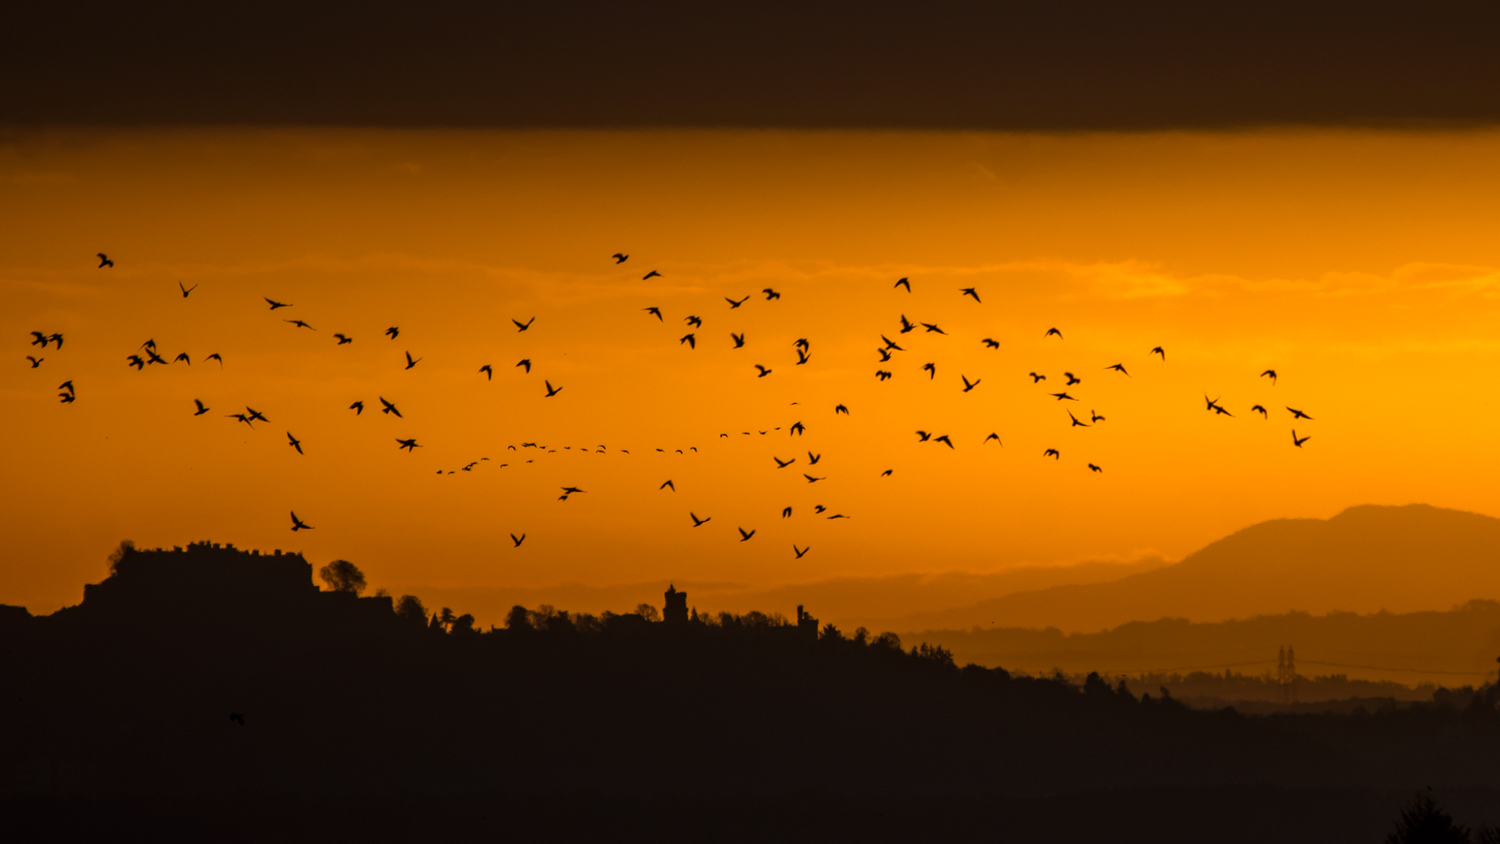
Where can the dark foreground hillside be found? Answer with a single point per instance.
(346, 709)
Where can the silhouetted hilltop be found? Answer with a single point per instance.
(1365, 559)
(220, 672)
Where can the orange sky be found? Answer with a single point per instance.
(1362, 266)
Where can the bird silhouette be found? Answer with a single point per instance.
(800, 553)
(201, 408)
(990, 344)
(967, 385)
(838, 408)
(995, 437)
(256, 415)
(693, 321)
(183, 356)
(668, 483)
(1093, 468)
(944, 440)
(931, 328)
(882, 375)
(739, 339)
(907, 326)
(410, 361)
(885, 354)
(903, 283)
(771, 294)
(1052, 331)
(782, 464)
(56, 338)
(551, 390)
(1052, 453)
(802, 344)
(149, 344)
(1213, 404)
(811, 479)
(410, 445)
(786, 512)
(812, 459)
(1270, 373)
(1158, 350)
(838, 516)
(697, 522)
(1297, 414)
(818, 508)
(1072, 379)
(294, 442)
(358, 407)
(923, 436)
(620, 257)
(66, 385)
(763, 371)
(186, 290)
(1094, 417)
(733, 304)
(930, 369)
(298, 524)
(690, 340)
(1222, 412)
(743, 535)
(1255, 408)
(136, 361)
(656, 312)
(215, 356)
(891, 344)
(526, 363)
(802, 357)
(1299, 441)
(275, 304)
(1076, 423)
(1063, 395)
(35, 362)
(104, 261)
(652, 274)
(385, 407)
(969, 291)
(489, 372)
(343, 339)
(887, 473)
(1035, 377)
(39, 339)
(1119, 367)
(520, 326)
(796, 430)
(66, 398)
(517, 540)
(393, 332)
(153, 357)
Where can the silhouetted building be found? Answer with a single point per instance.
(807, 626)
(676, 609)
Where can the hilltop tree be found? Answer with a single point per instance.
(648, 612)
(343, 576)
(125, 547)
(409, 609)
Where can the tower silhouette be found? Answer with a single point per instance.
(675, 610)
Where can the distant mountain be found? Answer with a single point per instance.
(1365, 559)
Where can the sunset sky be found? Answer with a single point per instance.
(1362, 266)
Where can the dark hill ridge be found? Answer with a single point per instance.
(132, 693)
(1365, 559)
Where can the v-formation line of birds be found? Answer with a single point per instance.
(802, 347)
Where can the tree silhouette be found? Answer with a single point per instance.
(648, 612)
(343, 576)
(1423, 821)
(125, 547)
(409, 609)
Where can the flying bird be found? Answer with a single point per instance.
(153, 357)
(275, 304)
(1052, 453)
(1297, 414)
(885, 354)
(410, 445)
(256, 415)
(1093, 468)
(1035, 377)
(818, 508)
(944, 440)
(1271, 374)
(693, 321)
(990, 344)
(690, 340)
(201, 408)
(136, 361)
(733, 304)
(1119, 367)
(802, 357)
(358, 407)
(771, 294)
(343, 339)
(796, 430)
(812, 459)
(187, 290)
(907, 326)
(800, 553)
(763, 371)
(241, 417)
(739, 340)
(66, 398)
(1076, 423)
(393, 332)
(149, 344)
(620, 257)
(526, 363)
(1213, 404)
(930, 369)
(517, 540)
(786, 512)
(410, 362)
(1158, 350)
(1063, 395)
(1052, 331)
(298, 524)
(995, 437)
(104, 261)
(903, 283)
(1072, 379)
(1298, 442)
(969, 291)
(1222, 412)
(838, 516)
(520, 326)
(66, 385)
(1255, 408)
(882, 375)
(811, 479)
(56, 338)
(551, 390)
(838, 408)
(668, 483)
(385, 407)
(35, 362)
(40, 339)
(656, 312)
(923, 436)
(215, 356)
(652, 274)
(891, 344)
(183, 356)
(489, 372)
(1094, 417)
(931, 328)
(294, 442)
(743, 535)
(804, 346)
(782, 464)
(967, 385)
(885, 474)
(697, 522)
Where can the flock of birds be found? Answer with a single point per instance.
(148, 354)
